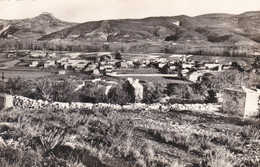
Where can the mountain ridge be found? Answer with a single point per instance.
(228, 29)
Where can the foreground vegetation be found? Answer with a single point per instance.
(102, 137)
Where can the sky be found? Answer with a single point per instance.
(92, 10)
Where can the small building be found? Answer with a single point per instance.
(130, 63)
(49, 63)
(96, 72)
(6, 101)
(195, 76)
(184, 65)
(212, 66)
(74, 62)
(34, 64)
(173, 67)
(124, 64)
(38, 54)
(80, 66)
(62, 72)
(161, 65)
(241, 101)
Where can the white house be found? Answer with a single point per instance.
(184, 65)
(34, 64)
(161, 65)
(194, 77)
(124, 64)
(49, 63)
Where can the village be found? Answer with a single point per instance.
(114, 64)
(136, 70)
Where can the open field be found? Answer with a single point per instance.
(8, 64)
(107, 138)
(24, 72)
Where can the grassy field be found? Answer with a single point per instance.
(107, 138)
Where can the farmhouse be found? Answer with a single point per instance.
(242, 101)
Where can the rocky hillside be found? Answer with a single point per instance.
(227, 29)
(32, 28)
(211, 28)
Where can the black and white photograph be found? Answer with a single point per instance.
(129, 83)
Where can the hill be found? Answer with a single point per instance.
(211, 28)
(32, 28)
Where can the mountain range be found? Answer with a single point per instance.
(228, 29)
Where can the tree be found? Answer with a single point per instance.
(62, 91)
(152, 93)
(118, 56)
(119, 95)
(43, 88)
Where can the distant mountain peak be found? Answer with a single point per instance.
(46, 13)
(47, 16)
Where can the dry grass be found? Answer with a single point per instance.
(125, 138)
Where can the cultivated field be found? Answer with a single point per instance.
(107, 138)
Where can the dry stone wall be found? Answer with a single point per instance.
(23, 102)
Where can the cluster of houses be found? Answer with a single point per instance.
(107, 64)
(101, 64)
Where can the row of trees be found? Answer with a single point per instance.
(6, 45)
(65, 91)
(195, 49)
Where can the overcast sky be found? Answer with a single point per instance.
(89, 10)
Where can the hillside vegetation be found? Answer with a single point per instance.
(106, 138)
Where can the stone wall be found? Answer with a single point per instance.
(23, 102)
